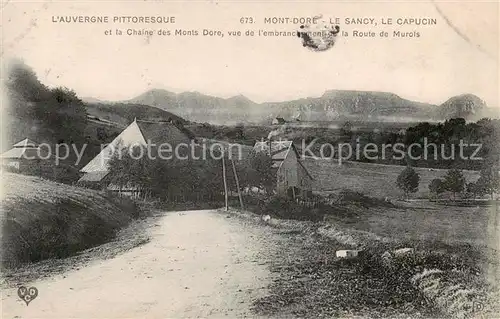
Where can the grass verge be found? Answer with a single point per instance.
(56, 220)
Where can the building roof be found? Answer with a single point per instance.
(93, 176)
(26, 149)
(25, 143)
(162, 132)
(140, 133)
(279, 120)
(279, 151)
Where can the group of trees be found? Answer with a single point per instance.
(450, 134)
(57, 114)
(186, 179)
(434, 145)
(487, 184)
(454, 182)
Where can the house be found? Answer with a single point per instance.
(138, 133)
(292, 177)
(24, 156)
(278, 121)
(299, 117)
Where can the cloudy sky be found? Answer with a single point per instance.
(458, 55)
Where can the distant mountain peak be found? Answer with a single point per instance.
(463, 105)
(333, 93)
(159, 91)
(332, 105)
(240, 97)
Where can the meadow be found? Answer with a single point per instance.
(471, 231)
(376, 180)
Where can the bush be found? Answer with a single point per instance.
(350, 197)
(285, 208)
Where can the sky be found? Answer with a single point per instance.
(458, 55)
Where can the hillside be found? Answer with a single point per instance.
(374, 180)
(363, 105)
(198, 107)
(44, 219)
(467, 106)
(123, 114)
(332, 105)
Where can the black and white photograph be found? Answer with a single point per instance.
(250, 159)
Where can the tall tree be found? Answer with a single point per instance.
(475, 189)
(165, 178)
(489, 181)
(408, 181)
(257, 171)
(58, 114)
(454, 181)
(436, 186)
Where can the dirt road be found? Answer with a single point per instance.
(197, 264)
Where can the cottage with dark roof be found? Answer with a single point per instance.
(278, 121)
(138, 133)
(292, 177)
(25, 155)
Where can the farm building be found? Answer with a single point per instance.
(292, 178)
(278, 121)
(138, 133)
(24, 156)
(299, 117)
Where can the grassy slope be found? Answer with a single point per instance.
(43, 219)
(370, 179)
(123, 114)
(421, 221)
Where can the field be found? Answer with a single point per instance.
(418, 222)
(374, 180)
(458, 249)
(43, 219)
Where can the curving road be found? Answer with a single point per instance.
(197, 264)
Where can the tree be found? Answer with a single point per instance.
(347, 129)
(101, 133)
(489, 181)
(454, 181)
(408, 181)
(436, 186)
(58, 114)
(475, 189)
(162, 178)
(22, 81)
(257, 171)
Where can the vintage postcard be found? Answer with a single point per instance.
(257, 159)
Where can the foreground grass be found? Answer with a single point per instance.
(43, 219)
(309, 281)
(317, 284)
(442, 279)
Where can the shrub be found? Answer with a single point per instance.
(282, 207)
(408, 181)
(350, 197)
(454, 181)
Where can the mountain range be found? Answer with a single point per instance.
(332, 105)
